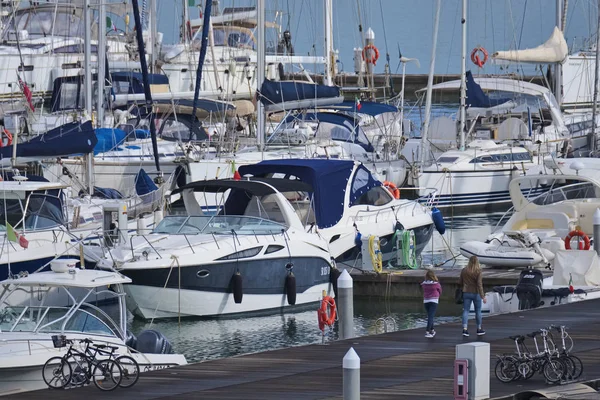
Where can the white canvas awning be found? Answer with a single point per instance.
(554, 50)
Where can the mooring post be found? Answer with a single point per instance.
(345, 303)
(597, 231)
(351, 379)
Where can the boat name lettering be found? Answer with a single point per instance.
(156, 367)
(325, 271)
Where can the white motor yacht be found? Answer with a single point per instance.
(245, 259)
(61, 302)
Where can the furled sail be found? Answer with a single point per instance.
(554, 50)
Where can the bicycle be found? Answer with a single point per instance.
(573, 363)
(58, 372)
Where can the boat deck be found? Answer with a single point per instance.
(397, 365)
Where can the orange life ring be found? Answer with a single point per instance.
(326, 312)
(9, 138)
(374, 56)
(475, 56)
(577, 233)
(392, 188)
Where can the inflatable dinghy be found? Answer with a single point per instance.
(504, 256)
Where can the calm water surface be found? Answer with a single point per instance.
(211, 339)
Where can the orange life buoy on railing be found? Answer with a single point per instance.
(577, 233)
(475, 56)
(392, 188)
(9, 138)
(326, 312)
(374, 56)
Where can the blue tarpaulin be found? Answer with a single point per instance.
(108, 139)
(328, 178)
(477, 98)
(68, 139)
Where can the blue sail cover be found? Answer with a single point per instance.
(328, 178)
(144, 184)
(272, 92)
(108, 139)
(68, 139)
(477, 98)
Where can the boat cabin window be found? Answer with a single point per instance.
(217, 225)
(43, 211)
(447, 160)
(39, 23)
(48, 319)
(377, 196)
(580, 190)
(229, 36)
(506, 157)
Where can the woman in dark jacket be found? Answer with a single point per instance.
(472, 287)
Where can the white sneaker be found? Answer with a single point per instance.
(432, 333)
(428, 335)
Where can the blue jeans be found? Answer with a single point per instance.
(430, 307)
(469, 298)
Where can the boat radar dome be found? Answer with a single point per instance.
(577, 166)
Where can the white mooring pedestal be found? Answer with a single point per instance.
(477, 355)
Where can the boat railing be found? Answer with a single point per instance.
(369, 215)
(147, 241)
(40, 343)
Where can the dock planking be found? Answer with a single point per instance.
(397, 365)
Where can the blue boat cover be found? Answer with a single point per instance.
(366, 107)
(328, 178)
(144, 184)
(108, 139)
(272, 92)
(352, 133)
(477, 98)
(69, 139)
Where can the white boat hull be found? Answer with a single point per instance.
(152, 302)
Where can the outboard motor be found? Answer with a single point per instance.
(131, 340)
(153, 342)
(529, 289)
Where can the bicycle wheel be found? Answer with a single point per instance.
(107, 375)
(130, 369)
(56, 373)
(553, 370)
(81, 368)
(578, 366)
(506, 370)
(526, 369)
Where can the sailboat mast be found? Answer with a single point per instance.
(87, 84)
(201, 58)
(328, 51)
(463, 79)
(145, 80)
(424, 143)
(592, 138)
(558, 69)
(101, 62)
(260, 110)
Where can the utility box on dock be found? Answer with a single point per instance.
(478, 356)
(370, 251)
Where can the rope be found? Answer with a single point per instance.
(174, 258)
(408, 251)
(376, 257)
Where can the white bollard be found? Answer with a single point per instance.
(345, 303)
(351, 378)
(597, 231)
(478, 356)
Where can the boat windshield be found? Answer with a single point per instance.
(218, 225)
(51, 319)
(40, 211)
(575, 191)
(44, 23)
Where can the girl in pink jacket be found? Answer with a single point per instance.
(431, 295)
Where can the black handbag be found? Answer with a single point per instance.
(458, 296)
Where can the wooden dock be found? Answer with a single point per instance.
(397, 365)
(404, 284)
